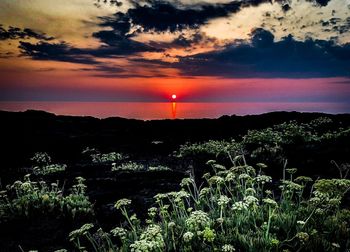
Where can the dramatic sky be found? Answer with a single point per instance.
(202, 50)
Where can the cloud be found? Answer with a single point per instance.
(160, 16)
(118, 45)
(17, 33)
(115, 46)
(264, 57)
(55, 52)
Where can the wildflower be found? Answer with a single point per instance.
(45, 197)
(223, 200)
(291, 186)
(206, 175)
(251, 200)
(160, 196)
(171, 225)
(81, 231)
(211, 162)
(261, 165)
(244, 176)
(180, 195)
(270, 202)
(301, 222)
(250, 191)
(186, 182)
(208, 234)
(239, 206)
(230, 177)
(303, 179)
(263, 179)
(274, 242)
(143, 246)
(216, 180)
(164, 209)
(291, 170)
(187, 237)
(122, 202)
(152, 212)
(204, 192)
(219, 167)
(197, 220)
(228, 248)
(268, 192)
(119, 232)
(302, 236)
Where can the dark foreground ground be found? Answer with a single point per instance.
(148, 142)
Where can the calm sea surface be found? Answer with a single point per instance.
(170, 110)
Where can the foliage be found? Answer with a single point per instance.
(26, 198)
(100, 158)
(268, 144)
(159, 168)
(128, 166)
(236, 210)
(131, 166)
(43, 165)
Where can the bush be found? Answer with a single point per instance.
(236, 210)
(26, 198)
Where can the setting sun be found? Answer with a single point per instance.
(173, 96)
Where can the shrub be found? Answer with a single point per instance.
(234, 210)
(26, 198)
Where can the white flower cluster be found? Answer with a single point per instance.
(216, 180)
(223, 200)
(244, 176)
(187, 237)
(251, 200)
(270, 202)
(263, 179)
(239, 206)
(186, 182)
(230, 177)
(228, 248)
(197, 220)
(122, 202)
(204, 192)
(152, 212)
(83, 230)
(250, 191)
(119, 232)
(178, 196)
(150, 240)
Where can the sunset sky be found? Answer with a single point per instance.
(201, 50)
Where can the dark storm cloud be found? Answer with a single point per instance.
(17, 33)
(266, 58)
(184, 41)
(55, 52)
(117, 44)
(160, 16)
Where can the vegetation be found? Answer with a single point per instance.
(24, 199)
(101, 158)
(43, 165)
(227, 206)
(235, 210)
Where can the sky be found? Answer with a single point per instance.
(200, 50)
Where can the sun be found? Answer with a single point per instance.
(173, 96)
